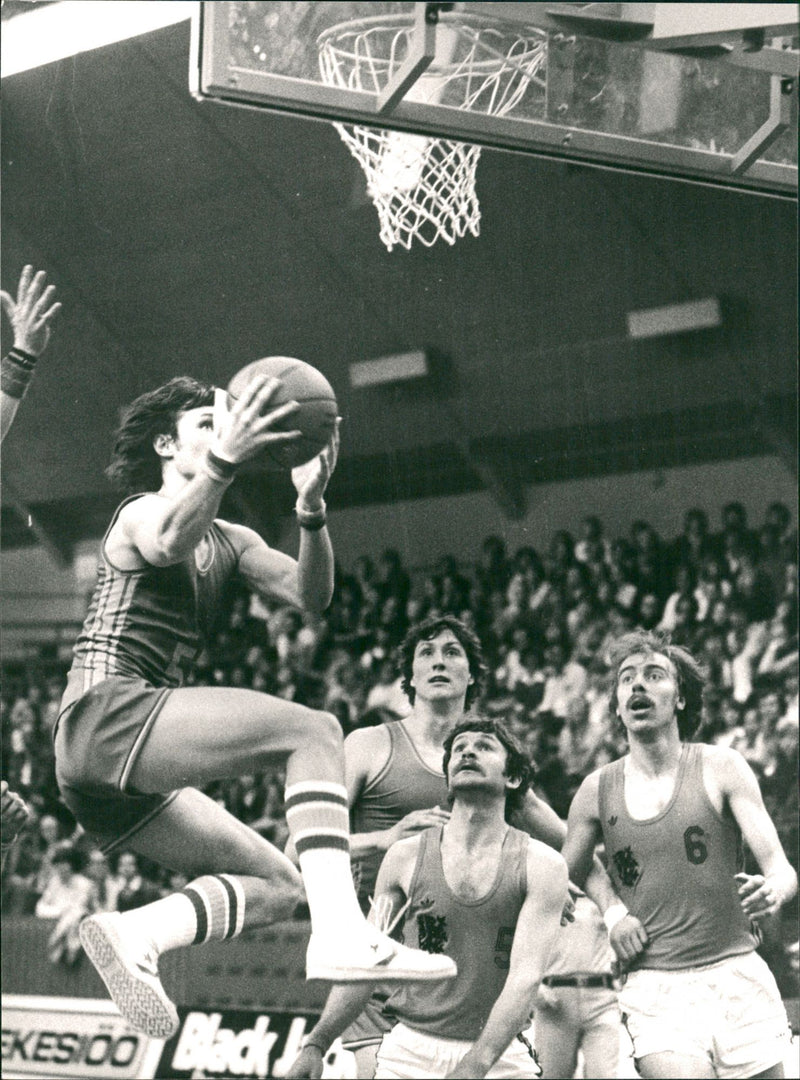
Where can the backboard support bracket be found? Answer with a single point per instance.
(776, 61)
(426, 17)
(780, 116)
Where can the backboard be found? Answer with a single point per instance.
(699, 92)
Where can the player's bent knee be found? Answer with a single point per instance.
(295, 891)
(289, 878)
(327, 727)
(286, 883)
(305, 728)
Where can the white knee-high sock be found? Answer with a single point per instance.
(318, 820)
(210, 907)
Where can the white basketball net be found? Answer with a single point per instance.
(421, 186)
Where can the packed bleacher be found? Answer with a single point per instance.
(727, 590)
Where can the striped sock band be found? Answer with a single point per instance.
(218, 901)
(317, 816)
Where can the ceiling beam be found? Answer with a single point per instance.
(496, 472)
(500, 482)
(776, 436)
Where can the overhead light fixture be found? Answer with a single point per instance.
(675, 318)
(389, 369)
(44, 35)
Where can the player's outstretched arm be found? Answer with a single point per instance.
(315, 560)
(30, 315)
(306, 582)
(542, 823)
(539, 820)
(535, 934)
(627, 935)
(761, 894)
(345, 1004)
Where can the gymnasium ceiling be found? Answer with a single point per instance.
(192, 238)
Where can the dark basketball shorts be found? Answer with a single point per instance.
(97, 740)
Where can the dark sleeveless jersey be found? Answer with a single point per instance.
(477, 934)
(405, 783)
(150, 623)
(675, 872)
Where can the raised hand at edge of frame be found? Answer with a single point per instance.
(32, 312)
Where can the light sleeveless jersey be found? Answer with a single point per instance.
(477, 934)
(405, 783)
(151, 623)
(675, 872)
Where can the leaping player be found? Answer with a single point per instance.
(133, 746)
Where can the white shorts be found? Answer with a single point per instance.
(729, 1013)
(407, 1054)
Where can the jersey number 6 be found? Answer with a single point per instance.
(696, 850)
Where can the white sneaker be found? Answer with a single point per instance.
(373, 957)
(128, 965)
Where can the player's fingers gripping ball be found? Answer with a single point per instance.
(315, 418)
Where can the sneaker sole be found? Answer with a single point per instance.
(139, 1003)
(377, 975)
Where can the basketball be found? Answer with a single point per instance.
(316, 416)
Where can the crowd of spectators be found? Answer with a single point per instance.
(545, 618)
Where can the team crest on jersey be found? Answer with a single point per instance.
(627, 867)
(432, 932)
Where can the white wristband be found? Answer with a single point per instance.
(318, 511)
(613, 915)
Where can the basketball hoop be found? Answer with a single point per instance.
(422, 186)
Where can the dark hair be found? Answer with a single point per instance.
(781, 510)
(66, 853)
(698, 515)
(736, 508)
(528, 557)
(691, 676)
(518, 765)
(135, 465)
(596, 524)
(427, 630)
